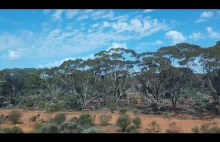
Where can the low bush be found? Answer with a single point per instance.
(91, 130)
(166, 115)
(52, 107)
(59, 118)
(195, 129)
(38, 127)
(148, 130)
(14, 129)
(135, 111)
(85, 120)
(14, 117)
(70, 127)
(132, 129)
(74, 119)
(104, 119)
(205, 128)
(123, 121)
(173, 128)
(137, 122)
(123, 110)
(2, 119)
(50, 128)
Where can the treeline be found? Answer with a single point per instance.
(169, 77)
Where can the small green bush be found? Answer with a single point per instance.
(123, 121)
(52, 107)
(195, 129)
(59, 118)
(50, 128)
(123, 110)
(166, 115)
(135, 111)
(14, 117)
(137, 122)
(14, 129)
(38, 127)
(74, 119)
(204, 128)
(85, 120)
(70, 127)
(132, 129)
(104, 119)
(2, 119)
(91, 130)
(148, 130)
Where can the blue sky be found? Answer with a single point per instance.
(46, 38)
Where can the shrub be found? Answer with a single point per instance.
(70, 127)
(38, 127)
(74, 119)
(123, 121)
(148, 130)
(50, 128)
(10, 106)
(104, 119)
(14, 117)
(123, 110)
(91, 130)
(173, 128)
(195, 129)
(59, 118)
(214, 130)
(137, 122)
(132, 129)
(135, 111)
(181, 100)
(166, 115)
(2, 119)
(33, 119)
(52, 107)
(112, 108)
(111, 103)
(153, 125)
(85, 120)
(14, 129)
(204, 128)
(38, 116)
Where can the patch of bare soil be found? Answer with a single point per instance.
(185, 122)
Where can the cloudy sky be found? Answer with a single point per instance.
(46, 38)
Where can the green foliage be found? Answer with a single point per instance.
(91, 130)
(166, 115)
(29, 103)
(13, 129)
(2, 119)
(195, 129)
(85, 120)
(148, 130)
(10, 106)
(135, 111)
(59, 118)
(123, 121)
(52, 107)
(137, 122)
(181, 100)
(14, 116)
(205, 128)
(50, 128)
(132, 129)
(38, 127)
(111, 103)
(123, 110)
(74, 119)
(104, 119)
(70, 127)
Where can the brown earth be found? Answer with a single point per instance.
(185, 122)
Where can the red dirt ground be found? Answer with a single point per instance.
(185, 124)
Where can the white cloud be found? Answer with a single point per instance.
(106, 24)
(212, 34)
(196, 36)
(57, 15)
(71, 13)
(88, 10)
(204, 16)
(108, 15)
(175, 36)
(157, 42)
(82, 17)
(117, 45)
(13, 55)
(69, 26)
(148, 10)
(58, 63)
(95, 25)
